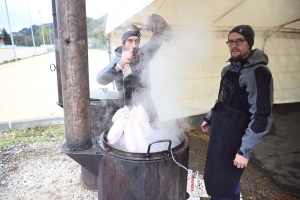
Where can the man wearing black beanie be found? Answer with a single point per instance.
(241, 116)
(130, 66)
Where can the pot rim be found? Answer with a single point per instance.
(103, 144)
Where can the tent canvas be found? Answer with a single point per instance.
(187, 69)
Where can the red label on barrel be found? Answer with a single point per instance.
(192, 183)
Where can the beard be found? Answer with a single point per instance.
(237, 54)
(134, 51)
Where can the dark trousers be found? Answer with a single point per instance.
(235, 197)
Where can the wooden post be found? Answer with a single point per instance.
(73, 51)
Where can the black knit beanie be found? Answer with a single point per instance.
(130, 33)
(246, 31)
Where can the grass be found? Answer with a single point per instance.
(35, 134)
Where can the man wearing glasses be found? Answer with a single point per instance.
(241, 116)
(130, 67)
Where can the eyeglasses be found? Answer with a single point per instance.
(238, 42)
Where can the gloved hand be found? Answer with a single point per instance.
(158, 26)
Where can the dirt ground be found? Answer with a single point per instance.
(255, 185)
(256, 182)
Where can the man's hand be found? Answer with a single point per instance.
(148, 23)
(155, 23)
(126, 57)
(124, 62)
(159, 27)
(205, 126)
(240, 161)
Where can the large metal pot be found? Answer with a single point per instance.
(135, 176)
(124, 175)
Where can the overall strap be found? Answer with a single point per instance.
(140, 61)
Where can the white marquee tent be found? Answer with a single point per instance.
(185, 73)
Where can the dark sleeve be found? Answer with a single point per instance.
(150, 48)
(263, 100)
(260, 97)
(108, 74)
(162, 32)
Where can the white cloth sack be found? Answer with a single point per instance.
(135, 126)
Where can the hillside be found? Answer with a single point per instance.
(23, 37)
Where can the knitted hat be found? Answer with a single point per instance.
(130, 33)
(246, 31)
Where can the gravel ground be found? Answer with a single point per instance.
(40, 171)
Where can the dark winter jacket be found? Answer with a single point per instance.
(136, 87)
(139, 77)
(256, 80)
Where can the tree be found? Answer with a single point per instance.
(96, 31)
(6, 38)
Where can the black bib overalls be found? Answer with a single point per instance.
(229, 120)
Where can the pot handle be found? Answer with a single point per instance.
(158, 141)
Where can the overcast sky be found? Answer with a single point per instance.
(19, 15)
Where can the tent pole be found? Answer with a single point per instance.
(278, 28)
(109, 56)
(229, 11)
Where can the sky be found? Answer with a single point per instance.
(19, 15)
